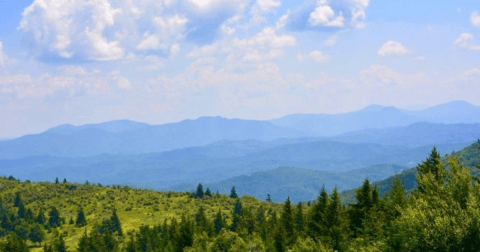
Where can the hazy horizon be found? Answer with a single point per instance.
(81, 62)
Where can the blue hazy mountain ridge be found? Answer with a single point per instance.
(378, 117)
(132, 138)
(214, 162)
(128, 137)
(417, 134)
(300, 184)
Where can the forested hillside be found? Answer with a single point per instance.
(440, 214)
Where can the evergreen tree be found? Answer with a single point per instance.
(59, 245)
(199, 193)
(208, 192)
(36, 234)
(288, 222)
(116, 226)
(184, 236)
(233, 193)
(21, 211)
(81, 220)
(83, 244)
(279, 240)
(299, 218)
(219, 223)
(236, 216)
(15, 244)
(18, 201)
(54, 219)
(432, 166)
(336, 228)
(56, 180)
(317, 215)
(360, 210)
(40, 219)
(47, 248)
(269, 199)
(64, 180)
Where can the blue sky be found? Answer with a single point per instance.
(88, 61)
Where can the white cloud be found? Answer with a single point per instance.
(282, 21)
(262, 7)
(475, 19)
(113, 30)
(380, 76)
(317, 56)
(392, 48)
(70, 82)
(265, 45)
(324, 15)
(168, 31)
(464, 42)
(331, 41)
(3, 57)
(338, 14)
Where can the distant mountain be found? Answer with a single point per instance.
(329, 125)
(211, 163)
(417, 134)
(129, 137)
(379, 117)
(299, 184)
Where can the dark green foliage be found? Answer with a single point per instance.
(219, 222)
(208, 192)
(299, 219)
(269, 199)
(199, 192)
(56, 180)
(59, 245)
(288, 223)
(36, 234)
(54, 219)
(40, 219)
(279, 240)
(317, 215)
(431, 166)
(184, 236)
(81, 220)
(15, 244)
(233, 193)
(18, 201)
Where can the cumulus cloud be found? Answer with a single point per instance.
(329, 15)
(317, 56)
(380, 76)
(265, 45)
(112, 30)
(392, 48)
(70, 82)
(3, 57)
(464, 42)
(262, 7)
(475, 19)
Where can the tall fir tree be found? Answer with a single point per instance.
(81, 220)
(233, 193)
(199, 192)
(288, 222)
(54, 219)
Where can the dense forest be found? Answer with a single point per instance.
(442, 213)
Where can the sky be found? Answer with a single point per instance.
(160, 61)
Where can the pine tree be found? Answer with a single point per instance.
(56, 180)
(116, 226)
(59, 245)
(335, 223)
(269, 199)
(184, 236)
(208, 192)
(81, 220)
(299, 218)
(40, 217)
(317, 215)
(18, 200)
(288, 222)
(233, 193)
(432, 166)
(64, 180)
(15, 244)
(54, 219)
(36, 234)
(83, 244)
(219, 223)
(199, 193)
(21, 211)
